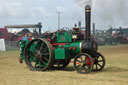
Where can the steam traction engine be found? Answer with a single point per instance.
(55, 50)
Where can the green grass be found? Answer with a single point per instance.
(114, 73)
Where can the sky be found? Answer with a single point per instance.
(105, 13)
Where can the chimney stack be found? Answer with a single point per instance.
(88, 21)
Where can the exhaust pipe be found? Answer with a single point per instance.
(94, 29)
(88, 46)
(39, 26)
(87, 21)
(79, 23)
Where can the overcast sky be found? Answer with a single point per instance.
(104, 12)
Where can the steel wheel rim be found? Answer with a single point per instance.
(40, 58)
(83, 63)
(99, 62)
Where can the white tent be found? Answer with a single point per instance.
(2, 45)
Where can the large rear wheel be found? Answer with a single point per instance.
(39, 55)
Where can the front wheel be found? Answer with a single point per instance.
(99, 62)
(83, 63)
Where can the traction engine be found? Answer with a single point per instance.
(55, 50)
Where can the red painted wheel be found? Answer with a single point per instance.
(99, 62)
(83, 63)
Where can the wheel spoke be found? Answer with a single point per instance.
(36, 64)
(36, 49)
(98, 55)
(38, 44)
(88, 66)
(86, 70)
(83, 67)
(78, 65)
(30, 52)
(40, 64)
(99, 65)
(100, 61)
(45, 54)
(41, 46)
(81, 59)
(78, 61)
(42, 61)
(44, 49)
(96, 67)
(31, 59)
(35, 45)
(80, 69)
(85, 58)
(45, 58)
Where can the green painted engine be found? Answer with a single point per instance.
(55, 50)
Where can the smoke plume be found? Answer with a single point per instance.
(112, 12)
(107, 12)
(83, 3)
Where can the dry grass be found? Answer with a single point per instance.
(114, 73)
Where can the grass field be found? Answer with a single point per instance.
(114, 73)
